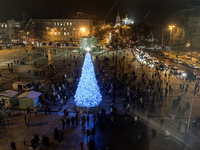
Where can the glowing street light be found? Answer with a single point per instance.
(171, 30)
(83, 29)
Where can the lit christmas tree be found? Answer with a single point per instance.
(88, 93)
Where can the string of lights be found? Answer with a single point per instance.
(88, 93)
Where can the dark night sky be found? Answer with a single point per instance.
(136, 9)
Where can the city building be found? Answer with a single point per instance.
(127, 21)
(189, 19)
(7, 31)
(60, 30)
(118, 21)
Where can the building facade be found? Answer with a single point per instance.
(127, 21)
(60, 30)
(8, 29)
(189, 19)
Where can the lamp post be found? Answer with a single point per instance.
(117, 33)
(189, 118)
(171, 31)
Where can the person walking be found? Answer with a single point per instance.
(182, 87)
(186, 90)
(35, 111)
(24, 138)
(27, 121)
(76, 117)
(72, 120)
(112, 121)
(28, 110)
(135, 119)
(56, 134)
(88, 133)
(83, 119)
(63, 123)
(153, 133)
(25, 117)
(81, 144)
(88, 119)
(68, 121)
(13, 145)
(161, 121)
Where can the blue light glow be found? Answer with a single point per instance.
(87, 92)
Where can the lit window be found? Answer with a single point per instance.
(54, 23)
(55, 33)
(61, 24)
(5, 25)
(1, 25)
(67, 33)
(70, 23)
(64, 28)
(67, 23)
(61, 28)
(33, 22)
(64, 33)
(57, 23)
(73, 28)
(58, 33)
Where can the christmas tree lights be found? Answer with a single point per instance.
(87, 92)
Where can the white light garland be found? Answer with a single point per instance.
(88, 93)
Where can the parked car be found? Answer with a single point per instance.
(179, 61)
(191, 66)
(171, 59)
(22, 86)
(190, 74)
(166, 56)
(184, 63)
(195, 66)
(174, 70)
(175, 60)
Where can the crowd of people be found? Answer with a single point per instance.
(132, 87)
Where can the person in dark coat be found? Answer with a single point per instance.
(28, 110)
(153, 133)
(63, 123)
(56, 134)
(36, 139)
(72, 120)
(13, 145)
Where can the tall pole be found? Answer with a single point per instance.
(189, 118)
(171, 30)
(116, 52)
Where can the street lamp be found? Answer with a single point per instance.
(171, 30)
(117, 33)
